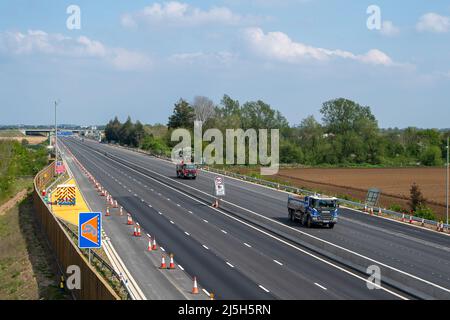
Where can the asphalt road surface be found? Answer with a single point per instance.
(247, 249)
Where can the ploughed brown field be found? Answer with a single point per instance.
(394, 183)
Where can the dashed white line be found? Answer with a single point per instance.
(263, 288)
(187, 233)
(172, 222)
(320, 286)
(181, 267)
(247, 245)
(178, 205)
(230, 264)
(190, 212)
(206, 292)
(160, 212)
(278, 262)
(224, 231)
(205, 247)
(150, 206)
(205, 220)
(162, 249)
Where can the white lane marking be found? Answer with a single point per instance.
(150, 205)
(172, 222)
(275, 237)
(160, 212)
(263, 288)
(168, 199)
(178, 205)
(179, 266)
(224, 231)
(205, 247)
(278, 262)
(247, 245)
(206, 221)
(230, 264)
(149, 235)
(162, 249)
(322, 287)
(190, 212)
(187, 233)
(206, 292)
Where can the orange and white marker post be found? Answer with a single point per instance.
(129, 219)
(138, 232)
(107, 212)
(410, 219)
(121, 211)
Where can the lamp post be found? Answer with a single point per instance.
(447, 180)
(56, 139)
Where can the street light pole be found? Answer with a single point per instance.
(447, 180)
(56, 139)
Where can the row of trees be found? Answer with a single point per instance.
(348, 133)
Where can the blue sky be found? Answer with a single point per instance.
(139, 57)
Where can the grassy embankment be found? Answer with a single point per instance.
(28, 270)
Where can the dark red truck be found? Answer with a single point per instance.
(186, 171)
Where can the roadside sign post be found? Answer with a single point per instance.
(89, 231)
(447, 182)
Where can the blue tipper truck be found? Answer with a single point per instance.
(313, 210)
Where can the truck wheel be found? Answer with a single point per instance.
(331, 225)
(308, 221)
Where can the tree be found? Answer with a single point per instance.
(431, 156)
(183, 116)
(416, 198)
(203, 108)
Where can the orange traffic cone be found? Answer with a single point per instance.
(149, 247)
(195, 287)
(107, 212)
(163, 262)
(116, 205)
(121, 211)
(171, 264)
(154, 244)
(138, 232)
(129, 219)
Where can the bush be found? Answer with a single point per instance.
(397, 208)
(425, 212)
(432, 156)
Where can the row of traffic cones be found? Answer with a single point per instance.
(152, 246)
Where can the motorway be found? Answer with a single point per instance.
(248, 249)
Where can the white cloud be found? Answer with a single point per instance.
(40, 42)
(216, 58)
(433, 22)
(278, 46)
(389, 29)
(176, 13)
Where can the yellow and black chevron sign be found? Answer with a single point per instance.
(65, 194)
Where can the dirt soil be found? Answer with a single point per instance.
(394, 183)
(33, 140)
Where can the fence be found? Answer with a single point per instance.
(93, 287)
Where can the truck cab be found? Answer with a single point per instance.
(186, 170)
(313, 210)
